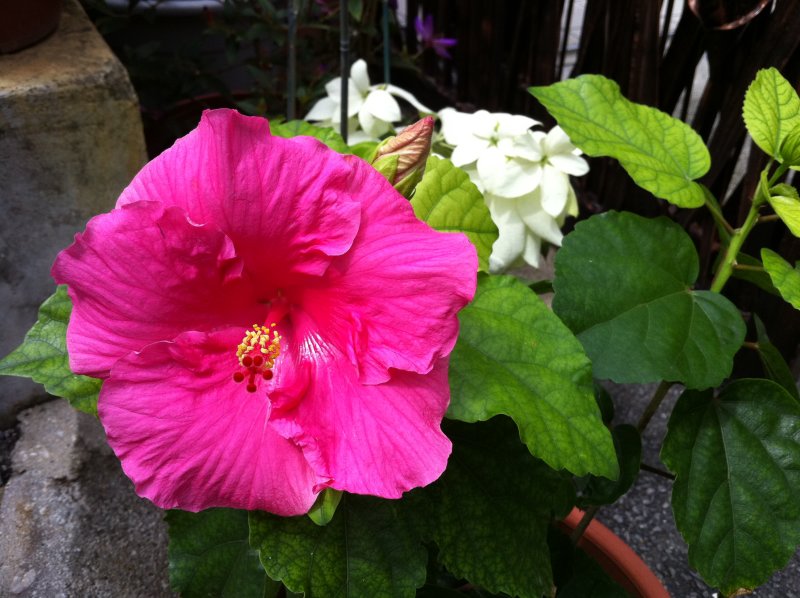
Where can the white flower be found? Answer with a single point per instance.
(523, 174)
(373, 108)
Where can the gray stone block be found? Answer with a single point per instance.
(70, 140)
(70, 522)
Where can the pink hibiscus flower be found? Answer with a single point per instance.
(270, 319)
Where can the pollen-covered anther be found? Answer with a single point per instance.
(257, 354)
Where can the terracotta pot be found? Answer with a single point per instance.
(616, 558)
(25, 22)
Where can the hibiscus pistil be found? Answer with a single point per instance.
(257, 354)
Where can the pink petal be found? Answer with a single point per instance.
(144, 273)
(279, 200)
(382, 439)
(392, 301)
(191, 438)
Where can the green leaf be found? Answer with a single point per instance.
(209, 555)
(771, 110)
(790, 147)
(775, 366)
(662, 154)
(737, 464)
(760, 278)
(515, 357)
(623, 286)
(788, 209)
(490, 512)
(294, 128)
(365, 550)
(325, 506)
(356, 8)
(448, 201)
(364, 150)
(43, 357)
(601, 491)
(785, 278)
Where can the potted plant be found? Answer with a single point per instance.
(338, 391)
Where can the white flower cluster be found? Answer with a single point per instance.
(371, 109)
(524, 177)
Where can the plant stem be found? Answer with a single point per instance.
(723, 226)
(650, 469)
(768, 218)
(740, 235)
(746, 267)
(653, 405)
(749, 345)
(588, 515)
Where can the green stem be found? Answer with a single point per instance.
(768, 218)
(740, 235)
(749, 345)
(723, 226)
(653, 405)
(746, 267)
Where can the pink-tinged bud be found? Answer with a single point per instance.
(401, 159)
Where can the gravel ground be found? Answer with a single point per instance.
(643, 517)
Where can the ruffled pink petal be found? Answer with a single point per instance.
(382, 439)
(144, 273)
(392, 300)
(279, 200)
(191, 438)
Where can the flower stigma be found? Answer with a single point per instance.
(257, 353)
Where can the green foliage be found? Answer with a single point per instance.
(775, 366)
(364, 150)
(515, 357)
(662, 154)
(488, 516)
(448, 201)
(602, 491)
(623, 286)
(294, 128)
(771, 110)
(490, 512)
(787, 207)
(43, 356)
(365, 550)
(325, 506)
(209, 555)
(760, 278)
(737, 463)
(785, 278)
(790, 147)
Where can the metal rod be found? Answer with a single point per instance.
(291, 67)
(387, 65)
(665, 33)
(344, 58)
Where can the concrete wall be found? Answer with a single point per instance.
(70, 140)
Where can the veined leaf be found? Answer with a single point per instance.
(661, 154)
(623, 285)
(448, 201)
(771, 110)
(43, 356)
(295, 128)
(736, 458)
(785, 278)
(515, 357)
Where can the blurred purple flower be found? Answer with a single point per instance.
(425, 36)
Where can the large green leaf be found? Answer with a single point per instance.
(515, 357)
(785, 278)
(365, 550)
(662, 154)
(736, 458)
(448, 201)
(294, 128)
(209, 555)
(623, 286)
(490, 512)
(771, 110)
(43, 356)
